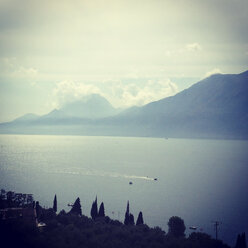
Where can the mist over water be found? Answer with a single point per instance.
(199, 180)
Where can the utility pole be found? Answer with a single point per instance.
(216, 227)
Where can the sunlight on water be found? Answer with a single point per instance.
(198, 180)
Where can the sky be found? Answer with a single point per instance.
(130, 52)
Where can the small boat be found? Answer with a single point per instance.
(155, 179)
(130, 183)
(193, 227)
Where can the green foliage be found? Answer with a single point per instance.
(55, 204)
(74, 230)
(94, 210)
(46, 214)
(38, 209)
(241, 241)
(76, 208)
(101, 210)
(176, 226)
(140, 219)
(129, 218)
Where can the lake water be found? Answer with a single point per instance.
(199, 180)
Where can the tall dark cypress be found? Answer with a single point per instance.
(101, 210)
(94, 210)
(140, 219)
(55, 204)
(127, 217)
(241, 241)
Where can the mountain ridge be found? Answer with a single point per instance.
(215, 107)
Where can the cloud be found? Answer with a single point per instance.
(67, 91)
(11, 68)
(212, 72)
(118, 93)
(25, 72)
(193, 47)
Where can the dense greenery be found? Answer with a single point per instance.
(72, 229)
(55, 204)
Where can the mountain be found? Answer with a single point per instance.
(27, 117)
(216, 107)
(92, 107)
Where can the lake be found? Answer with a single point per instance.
(199, 180)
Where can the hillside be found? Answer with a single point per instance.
(216, 107)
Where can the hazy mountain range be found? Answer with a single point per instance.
(216, 107)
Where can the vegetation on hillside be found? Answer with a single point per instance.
(73, 229)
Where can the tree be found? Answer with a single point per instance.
(126, 221)
(241, 241)
(131, 219)
(38, 209)
(101, 210)
(76, 208)
(94, 210)
(176, 226)
(55, 204)
(140, 219)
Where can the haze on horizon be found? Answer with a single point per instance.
(130, 52)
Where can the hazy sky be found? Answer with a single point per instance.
(131, 52)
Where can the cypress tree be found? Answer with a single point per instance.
(243, 241)
(94, 210)
(101, 210)
(131, 219)
(140, 219)
(127, 217)
(76, 208)
(55, 204)
(238, 241)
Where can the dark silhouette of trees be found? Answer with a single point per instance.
(129, 218)
(101, 210)
(55, 204)
(241, 241)
(76, 208)
(75, 230)
(126, 221)
(94, 210)
(140, 219)
(176, 227)
(38, 209)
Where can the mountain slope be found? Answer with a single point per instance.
(216, 107)
(92, 106)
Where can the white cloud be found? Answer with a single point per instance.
(10, 67)
(212, 72)
(67, 91)
(151, 91)
(25, 72)
(120, 94)
(193, 47)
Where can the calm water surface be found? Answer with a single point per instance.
(198, 180)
